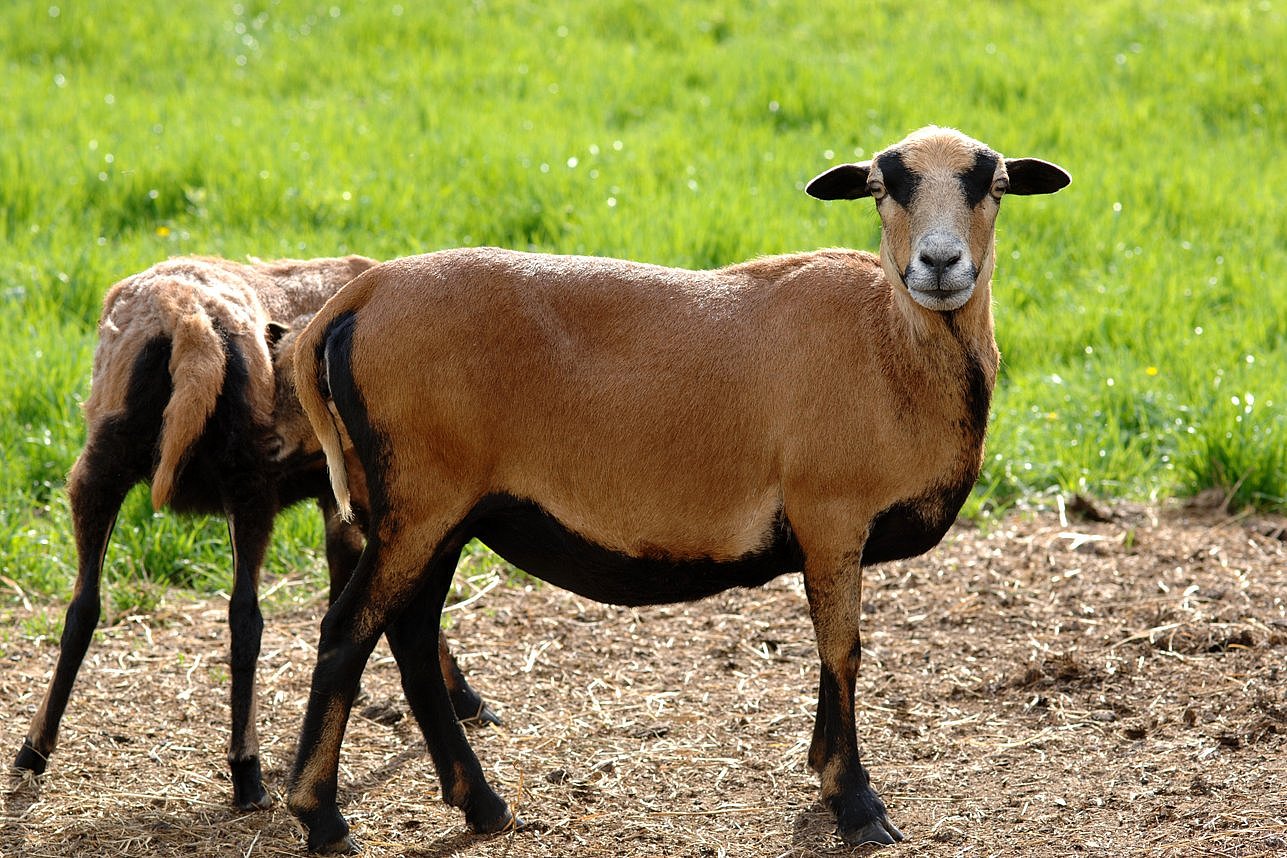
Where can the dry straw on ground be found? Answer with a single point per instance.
(1051, 686)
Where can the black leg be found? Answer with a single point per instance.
(249, 529)
(835, 594)
(349, 633)
(344, 544)
(97, 486)
(467, 703)
(412, 637)
(391, 582)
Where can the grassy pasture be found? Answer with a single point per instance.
(1140, 313)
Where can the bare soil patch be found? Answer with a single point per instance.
(1044, 687)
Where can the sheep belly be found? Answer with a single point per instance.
(535, 541)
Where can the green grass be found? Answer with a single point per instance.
(1140, 313)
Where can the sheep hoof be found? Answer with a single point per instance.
(31, 759)
(263, 801)
(324, 825)
(470, 708)
(483, 717)
(490, 815)
(342, 846)
(328, 833)
(248, 791)
(513, 823)
(880, 831)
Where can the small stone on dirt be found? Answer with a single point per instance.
(382, 713)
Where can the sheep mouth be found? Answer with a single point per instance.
(941, 290)
(940, 299)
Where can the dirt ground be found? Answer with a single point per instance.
(1051, 685)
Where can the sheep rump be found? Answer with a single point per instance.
(198, 303)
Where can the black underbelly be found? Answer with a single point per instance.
(533, 540)
(910, 528)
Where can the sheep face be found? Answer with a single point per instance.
(938, 193)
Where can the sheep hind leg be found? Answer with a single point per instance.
(392, 581)
(344, 543)
(834, 599)
(249, 530)
(468, 704)
(427, 684)
(349, 632)
(97, 486)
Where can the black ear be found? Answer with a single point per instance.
(846, 182)
(273, 332)
(1034, 176)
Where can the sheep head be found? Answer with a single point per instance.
(938, 193)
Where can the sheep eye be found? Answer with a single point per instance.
(999, 187)
(876, 189)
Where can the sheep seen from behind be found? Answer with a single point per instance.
(640, 435)
(184, 395)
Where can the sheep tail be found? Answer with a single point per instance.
(313, 387)
(197, 367)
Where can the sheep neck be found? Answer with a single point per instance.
(918, 331)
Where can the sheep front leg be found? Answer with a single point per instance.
(835, 598)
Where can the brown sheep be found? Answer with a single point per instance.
(639, 435)
(183, 396)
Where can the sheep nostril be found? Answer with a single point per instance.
(940, 263)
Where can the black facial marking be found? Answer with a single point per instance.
(900, 182)
(976, 182)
